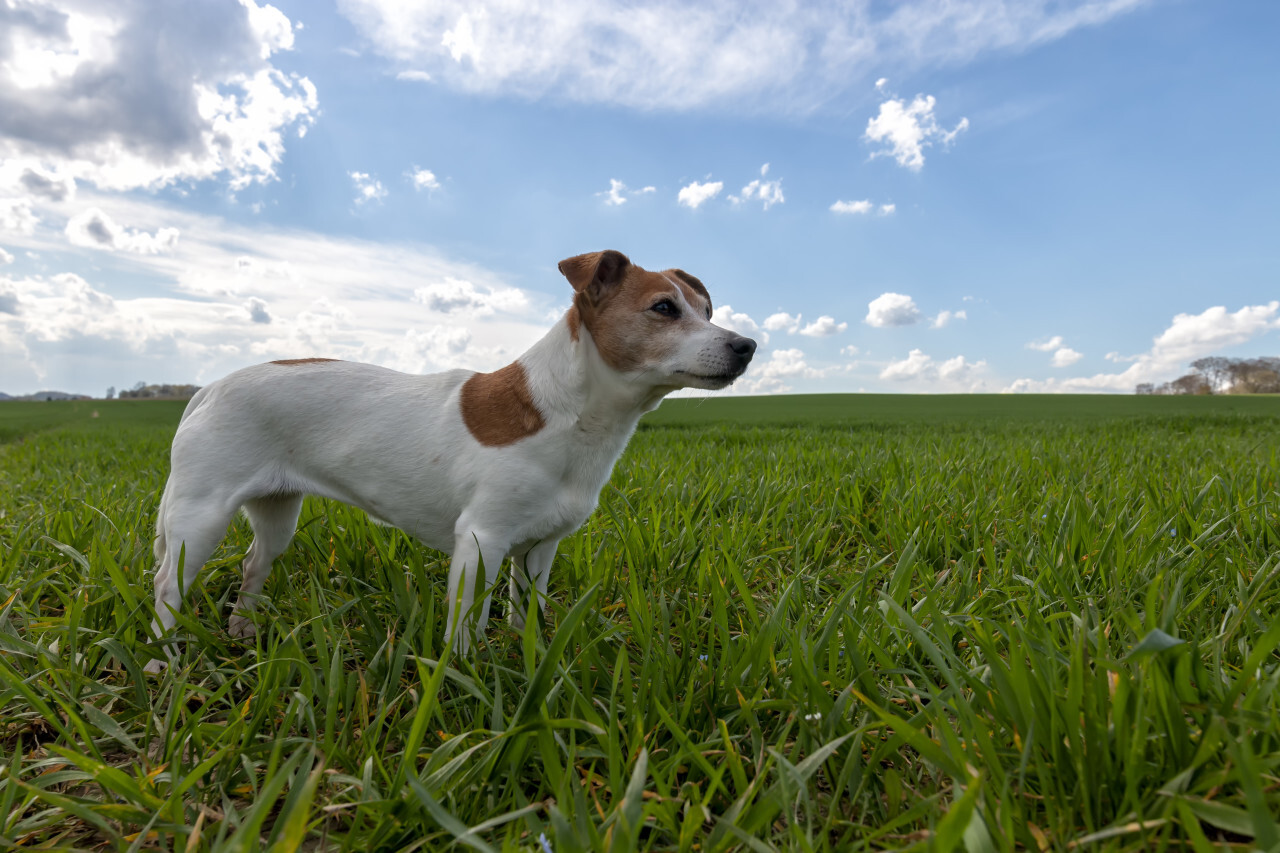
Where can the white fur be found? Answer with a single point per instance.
(396, 446)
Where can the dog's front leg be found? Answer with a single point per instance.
(471, 549)
(532, 569)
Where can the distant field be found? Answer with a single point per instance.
(785, 410)
(852, 622)
(21, 418)
(834, 409)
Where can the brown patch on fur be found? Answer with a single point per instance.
(574, 319)
(498, 407)
(287, 361)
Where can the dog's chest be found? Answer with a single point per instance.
(571, 478)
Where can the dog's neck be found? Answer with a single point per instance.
(572, 385)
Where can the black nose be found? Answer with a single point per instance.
(742, 347)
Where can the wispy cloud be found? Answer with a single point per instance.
(227, 295)
(767, 192)
(752, 54)
(945, 317)
(423, 179)
(96, 230)
(617, 194)
(368, 188)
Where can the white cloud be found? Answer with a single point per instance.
(737, 321)
(368, 188)
(1047, 345)
(734, 53)
(1065, 357)
(424, 179)
(858, 207)
(325, 295)
(5, 257)
(945, 317)
(94, 229)
(1188, 337)
(772, 376)
(955, 373)
(1121, 359)
(94, 91)
(888, 209)
(892, 309)
(695, 193)
(849, 350)
(618, 193)
(414, 75)
(8, 298)
(824, 327)
(782, 321)
(907, 129)
(768, 192)
(16, 215)
(457, 295)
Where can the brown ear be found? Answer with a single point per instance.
(594, 271)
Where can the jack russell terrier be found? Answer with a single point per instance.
(479, 465)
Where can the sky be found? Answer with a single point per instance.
(923, 196)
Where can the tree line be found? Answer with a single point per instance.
(1221, 375)
(143, 391)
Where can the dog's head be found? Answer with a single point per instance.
(653, 324)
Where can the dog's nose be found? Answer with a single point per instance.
(742, 347)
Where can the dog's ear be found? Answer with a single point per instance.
(594, 272)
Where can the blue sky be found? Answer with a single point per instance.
(973, 195)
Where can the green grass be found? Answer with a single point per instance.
(846, 623)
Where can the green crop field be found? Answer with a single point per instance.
(805, 623)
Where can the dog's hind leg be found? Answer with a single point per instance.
(274, 521)
(188, 531)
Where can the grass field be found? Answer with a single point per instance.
(809, 623)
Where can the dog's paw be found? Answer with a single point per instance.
(241, 627)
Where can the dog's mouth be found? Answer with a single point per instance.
(721, 378)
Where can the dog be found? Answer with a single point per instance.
(481, 466)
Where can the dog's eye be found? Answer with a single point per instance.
(666, 308)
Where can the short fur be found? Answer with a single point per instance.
(481, 466)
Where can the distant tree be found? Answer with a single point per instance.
(1256, 376)
(1145, 388)
(111, 392)
(139, 385)
(1192, 383)
(1216, 370)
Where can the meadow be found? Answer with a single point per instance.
(796, 623)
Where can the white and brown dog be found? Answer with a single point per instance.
(479, 465)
